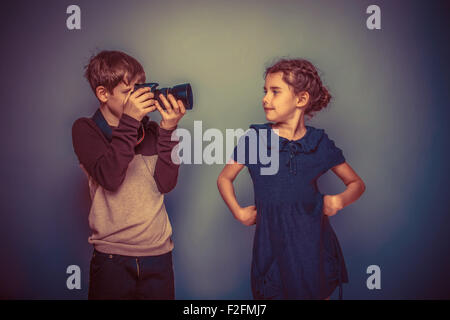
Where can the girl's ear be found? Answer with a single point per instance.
(302, 99)
(102, 94)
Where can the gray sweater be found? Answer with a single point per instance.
(127, 185)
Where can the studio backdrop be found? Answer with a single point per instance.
(389, 114)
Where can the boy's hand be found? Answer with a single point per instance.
(172, 114)
(331, 205)
(247, 215)
(139, 103)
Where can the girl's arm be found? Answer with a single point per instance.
(225, 180)
(355, 188)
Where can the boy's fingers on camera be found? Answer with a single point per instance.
(166, 103)
(158, 106)
(174, 103)
(181, 105)
(147, 95)
(150, 109)
(140, 91)
(144, 97)
(148, 103)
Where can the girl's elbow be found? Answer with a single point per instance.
(221, 179)
(363, 186)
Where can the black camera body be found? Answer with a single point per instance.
(181, 92)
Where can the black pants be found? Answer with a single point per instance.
(114, 276)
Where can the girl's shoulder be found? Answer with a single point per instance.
(325, 139)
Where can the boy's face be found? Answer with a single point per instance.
(279, 102)
(116, 99)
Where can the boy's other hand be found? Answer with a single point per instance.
(138, 103)
(175, 110)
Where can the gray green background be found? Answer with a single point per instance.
(389, 115)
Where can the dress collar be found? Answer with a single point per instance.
(308, 143)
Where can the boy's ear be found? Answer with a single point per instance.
(302, 99)
(102, 94)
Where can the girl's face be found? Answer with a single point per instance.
(279, 102)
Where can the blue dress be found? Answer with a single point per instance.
(296, 254)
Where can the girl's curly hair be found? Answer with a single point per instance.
(301, 75)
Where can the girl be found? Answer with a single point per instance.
(296, 254)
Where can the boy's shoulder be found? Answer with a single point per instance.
(86, 127)
(84, 123)
(83, 120)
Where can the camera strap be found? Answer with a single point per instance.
(103, 125)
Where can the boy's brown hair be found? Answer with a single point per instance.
(109, 68)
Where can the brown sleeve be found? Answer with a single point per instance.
(106, 162)
(166, 172)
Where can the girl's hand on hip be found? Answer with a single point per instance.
(332, 204)
(247, 215)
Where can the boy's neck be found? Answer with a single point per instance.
(112, 120)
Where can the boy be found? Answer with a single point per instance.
(127, 159)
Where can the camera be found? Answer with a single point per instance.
(181, 92)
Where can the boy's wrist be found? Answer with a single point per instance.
(167, 126)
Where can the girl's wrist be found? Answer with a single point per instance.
(237, 212)
(339, 202)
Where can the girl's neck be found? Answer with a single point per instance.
(292, 129)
